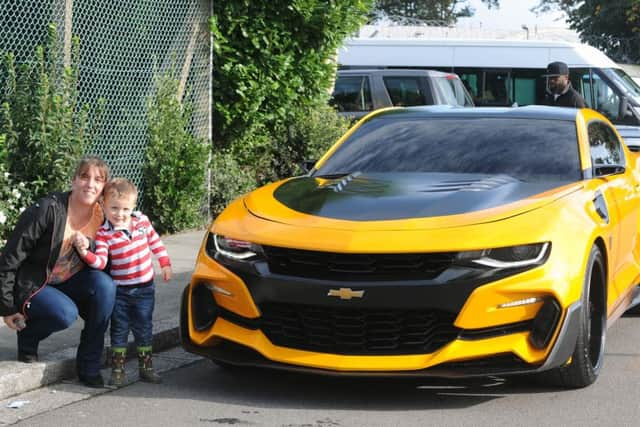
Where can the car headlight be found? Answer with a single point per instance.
(231, 248)
(507, 257)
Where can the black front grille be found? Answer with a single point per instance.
(357, 331)
(343, 266)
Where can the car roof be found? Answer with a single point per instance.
(395, 72)
(444, 111)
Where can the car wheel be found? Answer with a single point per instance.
(586, 361)
(224, 365)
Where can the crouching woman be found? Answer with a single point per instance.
(44, 285)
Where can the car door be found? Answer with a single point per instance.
(620, 196)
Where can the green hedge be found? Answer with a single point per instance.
(175, 162)
(273, 68)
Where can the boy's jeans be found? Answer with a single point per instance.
(133, 311)
(89, 293)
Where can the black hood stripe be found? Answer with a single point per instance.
(380, 197)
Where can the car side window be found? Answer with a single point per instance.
(352, 93)
(604, 145)
(405, 91)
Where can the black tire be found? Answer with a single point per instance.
(588, 356)
(224, 365)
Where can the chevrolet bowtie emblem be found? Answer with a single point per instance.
(345, 293)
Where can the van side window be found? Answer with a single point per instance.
(525, 85)
(496, 88)
(605, 99)
(472, 82)
(604, 145)
(352, 93)
(404, 91)
(581, 81)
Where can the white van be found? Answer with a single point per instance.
(505, 72)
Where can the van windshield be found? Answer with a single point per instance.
(626, 84)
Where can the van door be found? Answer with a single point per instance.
(606, 100)
(582, 81)
(613, 97)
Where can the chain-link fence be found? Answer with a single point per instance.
(123, 45)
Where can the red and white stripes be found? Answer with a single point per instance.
(130, 252)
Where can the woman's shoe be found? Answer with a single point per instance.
(26, 357)
(93, 381)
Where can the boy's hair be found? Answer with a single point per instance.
(120, 187)
(92, 161)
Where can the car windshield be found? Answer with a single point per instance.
(526, 149)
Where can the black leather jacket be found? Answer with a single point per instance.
(569, 98)
(31, 252)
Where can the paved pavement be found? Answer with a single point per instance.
(57, 352)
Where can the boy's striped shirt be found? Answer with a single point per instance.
(130, 252)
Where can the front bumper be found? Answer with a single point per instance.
(482, 354)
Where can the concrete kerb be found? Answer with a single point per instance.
(57, 360)
(18, 377)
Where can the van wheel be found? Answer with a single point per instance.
(588, 355)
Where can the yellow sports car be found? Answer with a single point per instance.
(430, 241)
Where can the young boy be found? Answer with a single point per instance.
(127, 239)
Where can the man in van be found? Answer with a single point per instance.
(559, 91)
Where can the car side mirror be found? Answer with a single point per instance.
(307, 165)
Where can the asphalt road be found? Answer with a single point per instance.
(197, 393)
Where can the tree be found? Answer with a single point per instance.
(437, 12)
(273, 59)
(612, 26)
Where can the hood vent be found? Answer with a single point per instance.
(468, 184)
(351, 184)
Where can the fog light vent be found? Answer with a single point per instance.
(203, 307)
(544, 324)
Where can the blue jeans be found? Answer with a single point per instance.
(133, 311)
(89, 293)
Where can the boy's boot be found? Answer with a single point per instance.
(145, 365)
(118, 360)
